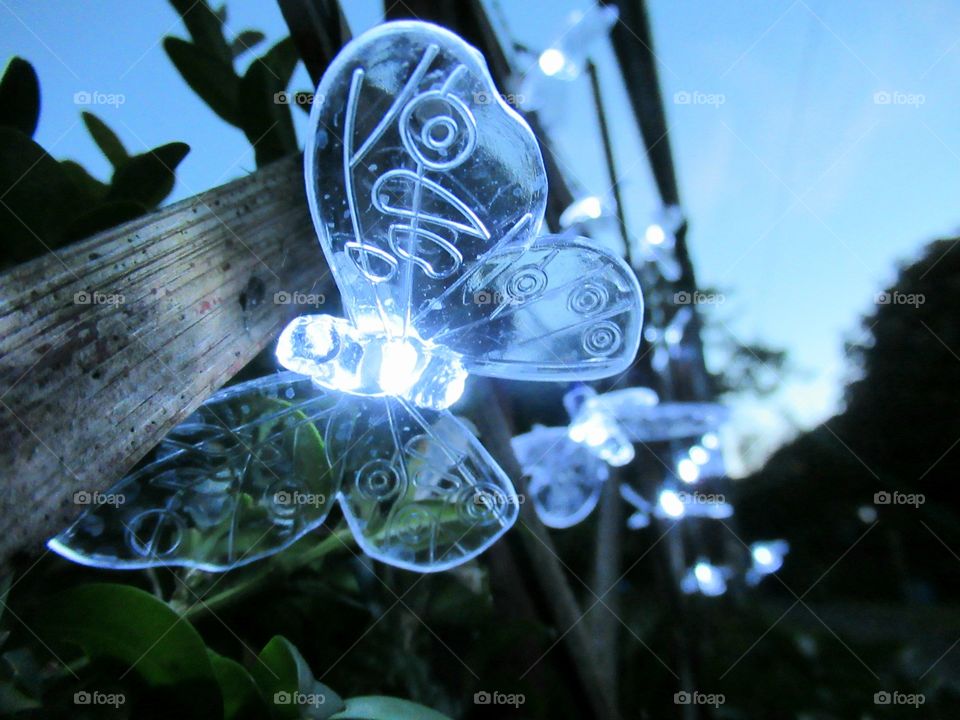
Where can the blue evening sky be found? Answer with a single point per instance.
(803, 187)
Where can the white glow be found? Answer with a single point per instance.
(710, 580)
(688, 470)
(711, 441)
(763, 556)
(455, 390)
(767, 558)
(699, 455)
(671, 504)
(654, 235)
(397, 367)
(552, 61)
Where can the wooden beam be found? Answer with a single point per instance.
(106, 344)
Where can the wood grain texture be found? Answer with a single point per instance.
(108, 343)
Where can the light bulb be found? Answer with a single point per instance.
(552, 61)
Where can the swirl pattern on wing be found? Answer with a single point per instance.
(243, 477)
(565, 477)
(418, 490)
(416, 169)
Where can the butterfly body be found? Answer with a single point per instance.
(338, 356)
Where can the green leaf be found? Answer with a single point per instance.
(31, 183)
(103, 217)
(106, 139)
(208, 75)
(246, 40)
(382, 707)
(136, 630)
(20, 97)
(264, 117)
(288, 685)
(88, 188)
(148, 178)
(241, 697)
(205, 27)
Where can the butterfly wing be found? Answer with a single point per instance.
(565, 477)
(418, 490)
(642, 421)
(242, 478)
(559, 308)
(416, 170)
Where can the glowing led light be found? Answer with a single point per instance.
(767, 558)
(705, 579)
(398, 367)
(763, 556)
(711, 441)
(654, 235)
(583, 210)
(699, 455)
(688, 471)
(552, 61)
(671, 504)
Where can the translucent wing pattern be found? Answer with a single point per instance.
(561, 309)
(566, 478)
(428, 193)
(418, 490)
(259, 464)
(416, 169)
(242, 478)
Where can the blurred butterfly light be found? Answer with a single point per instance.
(427, 192)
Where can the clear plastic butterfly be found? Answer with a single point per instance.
(427, 192)
(567, 466)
